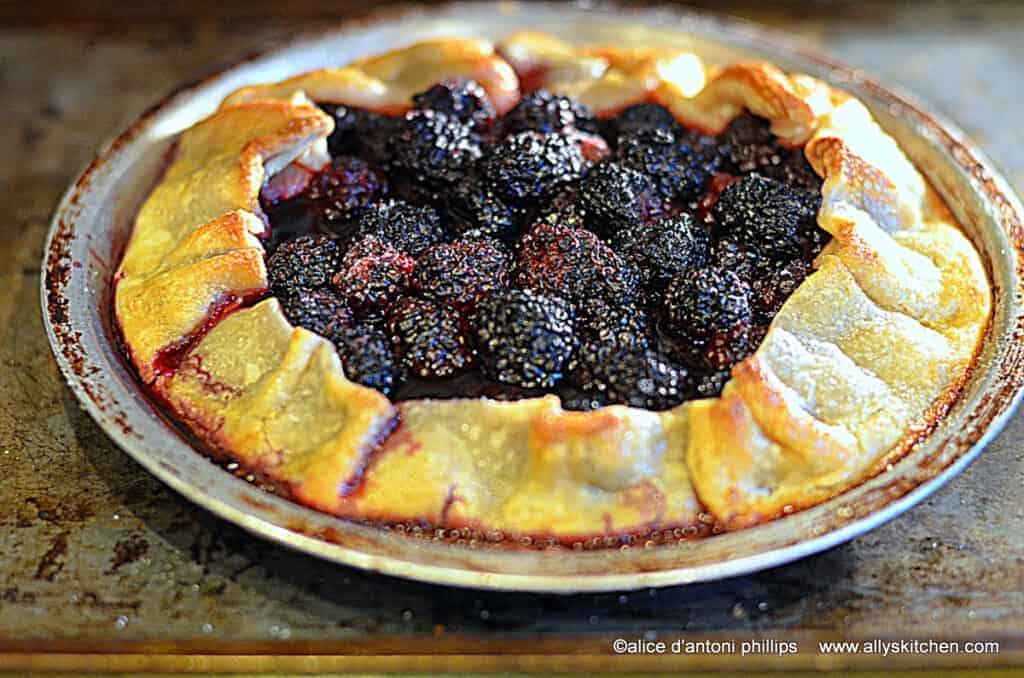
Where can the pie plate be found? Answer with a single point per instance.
(95, 216)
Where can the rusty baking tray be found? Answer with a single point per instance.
(94, 217)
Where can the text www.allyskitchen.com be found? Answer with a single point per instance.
(774, 647)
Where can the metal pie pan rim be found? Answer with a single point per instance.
(443, 574)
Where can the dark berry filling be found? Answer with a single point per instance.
(525, 339)
(433, 150)
(464, 100)
(429, 337)
(449, 252)
(575, 264)
(548, 113)
(372, 275)
(529, 166)
(461, 273)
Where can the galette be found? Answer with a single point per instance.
(550, 293)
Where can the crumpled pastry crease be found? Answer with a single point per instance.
(387, 82)
(861, 360)
(194, 243)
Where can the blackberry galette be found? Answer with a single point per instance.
(550, 293)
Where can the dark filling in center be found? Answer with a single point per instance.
(451, 252)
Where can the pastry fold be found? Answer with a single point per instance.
(272, 396)
(387, 82)
(194, 245)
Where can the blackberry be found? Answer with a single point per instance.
(529, 166)
(429, 338)
(409, 228)
(524, 339)
(362, 133)
(345, 188)
(725, 349)
(476, 208)
(664, 248)
(751, 147)
(709, 309)
(631, 376)
(573, 264)
(433, 148)
(306, 262)
(769, 293)
(616, 198)
(766, 215)
(372, 275)
(462, 99)
(679, 167)
(621, 325)
(749, 264)
(547, 113)
(461, 273)
(366, 357)
(647, 116)
(320, 311)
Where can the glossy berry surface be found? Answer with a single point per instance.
(361, 133)
(525, 339)
(772, 290)
(710, 310)
(748, 263)
(678, 167)
(307, 262)
(461, 273)
(547, 113)
(631, 376)
(320, 311)
(574, 264)
(433, 148)
(409, 228)
(645, 117)
(459, 98)
(475, 208)
(705, 302)
(766, 215)
(373, 274)
(429, 338)
(366, 356)
(665, 248)
(616, 198)
(710, 385)
(563, 209)
(751, 147)
(621, 325)
(531, 166)
(345, 187)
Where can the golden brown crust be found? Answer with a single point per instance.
(528, 467)
(865, 354)
(387, 82)
(275, 398)
(194, 244)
